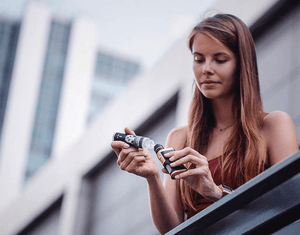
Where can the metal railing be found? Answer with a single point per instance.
(267, 204)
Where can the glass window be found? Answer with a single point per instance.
(45, 119)
(8, 43)
(111, 76)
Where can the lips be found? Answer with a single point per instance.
(209, 82)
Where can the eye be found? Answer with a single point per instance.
(221, 61)
(198, 59)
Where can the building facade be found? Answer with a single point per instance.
(112, 73)
(82, 190)
(48, 97)
(9, 32)
(49, 66)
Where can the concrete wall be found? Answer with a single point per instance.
(77, 82)
(278, 55)
(22, 100)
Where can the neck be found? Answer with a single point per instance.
(223, 112)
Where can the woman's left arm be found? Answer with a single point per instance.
(280, 135)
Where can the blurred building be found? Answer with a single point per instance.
(112, 73)
(81, 189)
(59, 74)
(9, 32)
(49, 95)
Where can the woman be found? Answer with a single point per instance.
(229, 138)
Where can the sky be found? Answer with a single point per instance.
(139, 29)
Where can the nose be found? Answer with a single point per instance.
(207, 69)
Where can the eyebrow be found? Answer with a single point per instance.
(216, 54)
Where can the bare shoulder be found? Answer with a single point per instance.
(277, 117)
(277, 122)
(280, 135)
(177, 137)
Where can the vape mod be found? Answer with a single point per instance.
(160, 152)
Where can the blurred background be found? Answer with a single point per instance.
(72, 73)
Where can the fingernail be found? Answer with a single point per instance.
(172, 159)
(126, 145)
(176, 177)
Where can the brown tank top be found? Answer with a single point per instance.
(201, 202)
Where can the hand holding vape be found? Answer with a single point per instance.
(146, 143)
(160, 152)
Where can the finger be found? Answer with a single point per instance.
(164, 171)
(170, 154)
(145, 153)
(131, 162)
(117, 146)
(126, 153)
(191, 172)
(186, 151)
(190, 159)
(134, 163)
(125, 159)
(128, 131)
(132, 152)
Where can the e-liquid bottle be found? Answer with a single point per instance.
(134, 140)
(160, 152)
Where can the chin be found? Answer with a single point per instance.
(210, 95)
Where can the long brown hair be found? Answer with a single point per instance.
(244, 154)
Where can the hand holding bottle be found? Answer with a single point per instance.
(132, 159)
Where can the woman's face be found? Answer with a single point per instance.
(214, 67)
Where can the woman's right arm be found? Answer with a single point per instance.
(164, 207)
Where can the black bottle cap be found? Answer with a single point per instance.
(158, 147)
